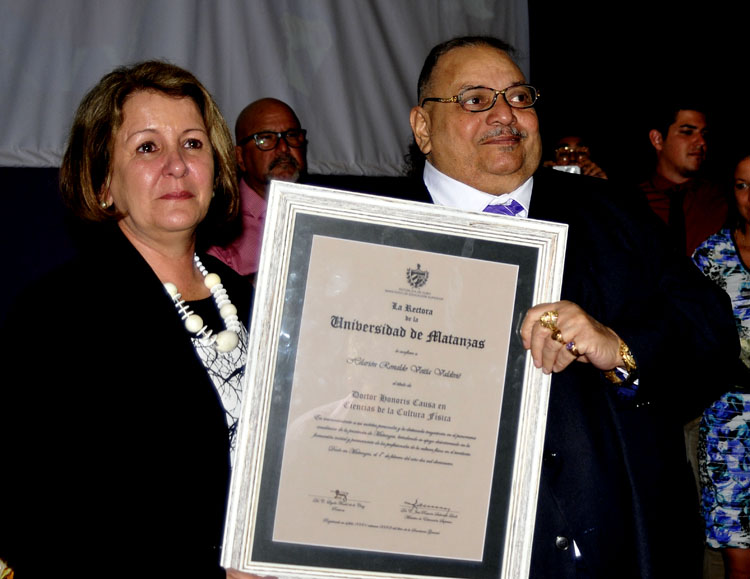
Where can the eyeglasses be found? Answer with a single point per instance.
(568, 155)
(480, 98)
(268, 140)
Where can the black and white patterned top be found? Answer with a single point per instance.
(226, 369)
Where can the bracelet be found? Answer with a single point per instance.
(631, 368)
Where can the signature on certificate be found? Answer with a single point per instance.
(427, 512)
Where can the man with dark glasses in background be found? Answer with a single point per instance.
(270, 145)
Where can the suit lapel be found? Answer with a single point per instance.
(549, 199)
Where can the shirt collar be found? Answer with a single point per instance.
(252, 203)
(447, 191)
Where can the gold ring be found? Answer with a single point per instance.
(549, 320)
(571, 347)
(557, 336)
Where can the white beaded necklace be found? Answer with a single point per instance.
(224, 341)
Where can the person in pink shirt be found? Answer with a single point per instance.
(271, 144)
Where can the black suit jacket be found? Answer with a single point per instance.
(615, 478)
(115, 454)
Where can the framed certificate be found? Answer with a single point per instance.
(392, 424)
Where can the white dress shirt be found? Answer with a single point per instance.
(447, 191)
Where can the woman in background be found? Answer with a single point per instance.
(724, 441)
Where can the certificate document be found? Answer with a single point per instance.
(396, 400)
(392, 422)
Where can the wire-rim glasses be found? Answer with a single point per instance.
(477, 99)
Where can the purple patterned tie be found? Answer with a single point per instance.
(511, 208)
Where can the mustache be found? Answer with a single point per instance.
(503, 131)
(284, 159)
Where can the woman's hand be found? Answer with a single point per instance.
(234, 574)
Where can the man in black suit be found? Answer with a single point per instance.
(631, 344)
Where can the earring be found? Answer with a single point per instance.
(104, 205)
